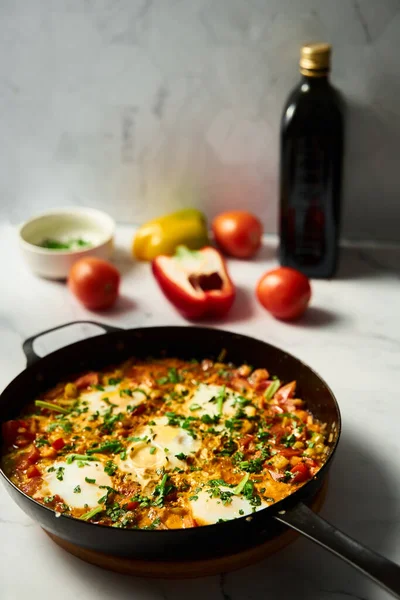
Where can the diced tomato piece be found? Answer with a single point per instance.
(33, 471)
(276, 476)
(240, 384)
(278, 430)
(301, 473)
(285, 392)
(188, 521)
(276, 409)
(131, 505)
(138, 410)
(33, 456)
(9, 431)
(58, 444)
(245, 440)
(22, 463)
(289, 452)
(86, 380)
(258, 379)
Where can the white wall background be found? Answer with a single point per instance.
(140, 106)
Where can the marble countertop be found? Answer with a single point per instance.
(350, 335)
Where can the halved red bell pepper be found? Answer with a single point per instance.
(196, 282)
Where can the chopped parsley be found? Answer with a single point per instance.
(154, 524)
(162, 490)
(114, 380)
(88, 480)
(60, 473)
(173, 375)
(254, 465)
(39, 442)
(181, 456)
(110, 468)
(152, 450)
(288, 440)
(77, 489)
(111, 446)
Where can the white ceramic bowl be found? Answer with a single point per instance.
(93, 226)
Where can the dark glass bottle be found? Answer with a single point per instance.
(312, 130)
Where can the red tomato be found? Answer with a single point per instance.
(86, 380)
(33, 471)
(238, 233)
(131, 505)
(284, 292)
(95, 282)
(58, 444)
(301, 473)
(33, 456)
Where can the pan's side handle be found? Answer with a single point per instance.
(383, 571)
(32, 357)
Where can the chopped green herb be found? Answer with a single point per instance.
(110, 446)
(77, 489)
(60, 473)
(162, 490)
(181, 456)
(48, 499)
(221, 397)
(173, 375)
(209, 420)
(114, 381)
(162, 380)
(96, 386)
(88, 480)
(73, 457)
(92, 513)
(193, 498)
(272, 389)
(39, 442)
(152, 450)
(136, 438)
(72, 244)
(288, 440)
(194, 406)
(254, 465)
(240, 486)
(154, 524)
(51, 406)
(110, 468)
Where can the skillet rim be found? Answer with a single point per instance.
(273, 509)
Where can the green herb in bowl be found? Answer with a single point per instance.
(72, 244)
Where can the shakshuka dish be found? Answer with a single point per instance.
(164, 444)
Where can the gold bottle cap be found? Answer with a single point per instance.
(315, 59)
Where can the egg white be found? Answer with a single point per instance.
(208, 510)
(73, 476)
(157, 448)
(96, 403)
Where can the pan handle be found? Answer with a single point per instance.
(27, 346)
(381, 570)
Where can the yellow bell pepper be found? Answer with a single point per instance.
(186, 227)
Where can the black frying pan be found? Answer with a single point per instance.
(211, 540)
